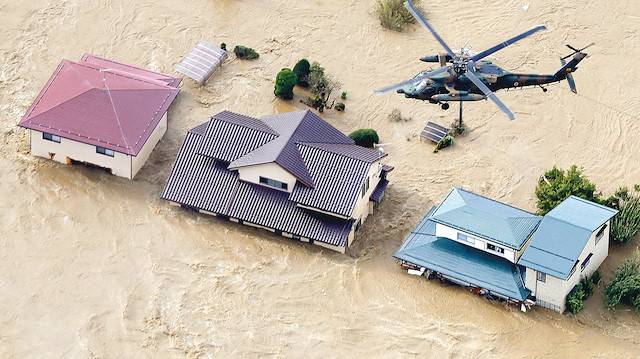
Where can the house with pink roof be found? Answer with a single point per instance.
(102, 113)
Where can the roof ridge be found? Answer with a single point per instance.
(88, 55)
(496, 201)
(273, 131)
(120, 73)
(307, 144)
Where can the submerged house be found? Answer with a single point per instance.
(509, 253)
(102, 113)
(291, 173)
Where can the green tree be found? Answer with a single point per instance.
(575, 299)
(246, 53)
(555, 187)
(302, 70)
(393, 15)
(285, 81)
(322, 86)
(365, 137)
(626, 224)
(625, 285)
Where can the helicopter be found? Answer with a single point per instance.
(468, 76)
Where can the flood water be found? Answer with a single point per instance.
(92, 265)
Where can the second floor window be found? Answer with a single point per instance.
(50, 137)
(542, 277)
(493, 247)
(104, 151)
(465, 238)
(273, 183)
(600, 233)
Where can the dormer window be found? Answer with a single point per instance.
(273, 183)
(50, 137)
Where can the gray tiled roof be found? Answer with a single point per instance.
(230, 136)
(338, 179)
(292, 128)
(202, 61)
(204, 183)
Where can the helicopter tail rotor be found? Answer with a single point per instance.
(572, 83)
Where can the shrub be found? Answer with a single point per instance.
(246, 53)
(596, 277)
(575, 299)
(393, 15)
(340, 107)
(626, 224)
(561, 186)
(285, 81)
(343, 95)
(302, 71)
(625, 285)
(223, 46)
(321, 85)
(445, 142)
(396, 116)
(587, 286)
(637, 187)
(365, 137)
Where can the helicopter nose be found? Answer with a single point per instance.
(400, 90)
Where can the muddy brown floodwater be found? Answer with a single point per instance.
(98, 266)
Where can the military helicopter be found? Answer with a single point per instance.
(470, 78)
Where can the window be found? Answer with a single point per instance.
(50, 137)
(367, 183)
(297, 238)
(104, 151)
(273, 183)
(574, 268)
(278, 232)
(465, 238)
(493, 247)
(585, 262)
(363, 189)
(600, 233)
(541, 277)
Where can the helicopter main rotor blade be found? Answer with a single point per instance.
(423, 21)
(413, 80)
(501, 46)
(471, 75)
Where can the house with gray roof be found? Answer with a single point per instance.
(291, 173)
(509, 253)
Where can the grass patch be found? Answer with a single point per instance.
(394, 16)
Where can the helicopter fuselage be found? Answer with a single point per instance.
(452, 86)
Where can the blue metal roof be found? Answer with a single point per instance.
(563, 234)
(462, 262)
(486, 218)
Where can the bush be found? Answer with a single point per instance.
(302, 71)
(285, 81)
(561, 186)
(445, 142)
(626, 224)
(575, 299)
(625, 285)
(340, 107)
(223, 46)
(587, 286)
(343, 95)
(596, 277)
(246, 53)
(393, 15)
(396, 116)
(365, 137)
(321, 85)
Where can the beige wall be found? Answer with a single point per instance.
(270, 170)
(480, 243)
(139, 160)
(362, 209)
(120, 164)
(555, 290)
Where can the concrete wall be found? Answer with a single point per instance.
(555, 290)
(120, 164)
(270, 170)
(142, 157)
(480, 243)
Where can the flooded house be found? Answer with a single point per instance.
(507, 253)
(101, 113)
(292, 174)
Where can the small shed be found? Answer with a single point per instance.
(202, 62)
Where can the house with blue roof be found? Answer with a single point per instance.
(509, 253)
(291, 173)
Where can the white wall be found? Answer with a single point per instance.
(120, 163)
(480, 243)
(142, 157)
(270, 170)
(361, 209)
(555, 290)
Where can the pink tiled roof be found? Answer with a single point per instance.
(102, 103)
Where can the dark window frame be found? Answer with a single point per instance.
(600, 233)
(585, 263)
(541, 277)
(273, 183)
(495, 248)
(51, 137)
(105, 151)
